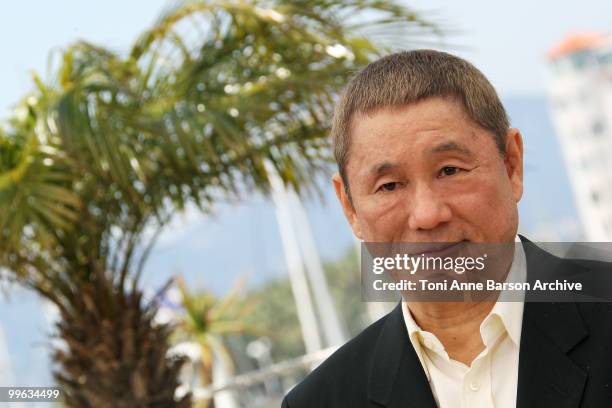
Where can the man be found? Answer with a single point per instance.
(425, 154)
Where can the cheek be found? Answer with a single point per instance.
(489, 207)
(382, 218)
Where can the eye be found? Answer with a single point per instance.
(388, 186)
(449, 171)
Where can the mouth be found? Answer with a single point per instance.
(435, 248)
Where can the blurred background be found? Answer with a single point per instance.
(259, 273)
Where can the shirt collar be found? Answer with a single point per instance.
(510, 313)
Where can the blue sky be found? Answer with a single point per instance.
(31, 30)
(506, 39)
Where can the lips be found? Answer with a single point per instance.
(433, 248)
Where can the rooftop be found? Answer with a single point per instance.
(575, 42)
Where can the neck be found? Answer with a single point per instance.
(455, 324)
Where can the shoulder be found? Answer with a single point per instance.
(593, 265)
(596, 278)
(342, 375)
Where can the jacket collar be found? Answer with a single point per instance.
(397, 378)
(547, 376)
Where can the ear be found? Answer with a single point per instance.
(514, 161)
(347, 207)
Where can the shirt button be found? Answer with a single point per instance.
(474, 386)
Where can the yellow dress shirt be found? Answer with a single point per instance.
(492, 379)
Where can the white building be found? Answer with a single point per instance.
(579, 71)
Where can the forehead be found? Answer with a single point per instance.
(426, 121)
(434, 112)
(420, 132)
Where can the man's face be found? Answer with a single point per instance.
(427, 173)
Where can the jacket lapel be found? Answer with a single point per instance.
(548, 378)
(397, 379)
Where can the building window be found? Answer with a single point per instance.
(605, 59)
(580, 59)
(598, 128)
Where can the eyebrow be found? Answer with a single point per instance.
(382, 168)
(451, 147)
(385, 167)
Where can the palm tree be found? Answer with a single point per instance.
(206, 320)
(97, 159)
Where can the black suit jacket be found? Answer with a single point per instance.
(565, 358)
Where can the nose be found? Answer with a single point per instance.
(428, 210)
